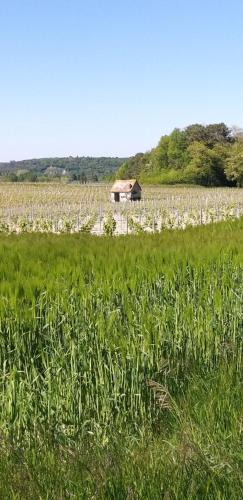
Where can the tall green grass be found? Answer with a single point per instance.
(121, 365)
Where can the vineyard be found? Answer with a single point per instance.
(73, 208)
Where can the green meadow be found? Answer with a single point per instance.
(121, 365)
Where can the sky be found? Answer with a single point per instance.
(109, 77)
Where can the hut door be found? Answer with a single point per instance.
(117, 196)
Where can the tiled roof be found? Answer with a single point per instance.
(123, 186)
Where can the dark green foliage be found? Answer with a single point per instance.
(12, 177)
(83, 177)
(205, 166)
(27, 177)
(196, 155)
(210, 135)
(159, 155)
(133, 167)
(48, 168)
(177, 149)
(195, 133)
(234, 165)
(121, 365)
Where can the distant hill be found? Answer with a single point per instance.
(208, 155)
(90, 168)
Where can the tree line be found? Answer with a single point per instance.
(82, 169)
(208, 155)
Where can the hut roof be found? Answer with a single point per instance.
(124, 186)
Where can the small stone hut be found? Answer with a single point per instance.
(126, 190)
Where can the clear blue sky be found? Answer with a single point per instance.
(109, 77)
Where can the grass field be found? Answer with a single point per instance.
(121, 365)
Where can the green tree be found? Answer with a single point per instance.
(83, 178)
(218, 133)
(195, 133)
(201, 168)
(28, 177)
(133, 167)
(12, 177)
(220, 154)
(210, 135)
(73, 177)
(177, 149)
(196, 154)
(159, 155)
(234, 164)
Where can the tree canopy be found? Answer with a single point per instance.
(72, 167)
(234, 163)
(210, 155)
